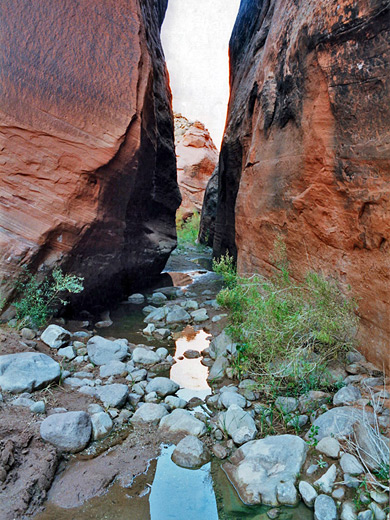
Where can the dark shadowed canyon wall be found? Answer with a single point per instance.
(306, 151)
(87, 164)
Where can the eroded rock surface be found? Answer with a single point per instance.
(306, 149)
(88, 177)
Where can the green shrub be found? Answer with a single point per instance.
(287, 331)
(39, 300)
(187, 229)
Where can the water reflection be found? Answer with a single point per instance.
(190, 374)
(179, 493)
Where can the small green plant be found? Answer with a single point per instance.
(313, 433)
(321, 463)
(287, 331)
(187, 229)
(40, 299)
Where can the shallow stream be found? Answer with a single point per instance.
(167, 491)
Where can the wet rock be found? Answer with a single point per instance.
(157, 298)
(149, 414)
(238, 424)
(286, 494)
(55, 336)
(346, 395)
(249, 467)
(101, 425)
(149, 329)
(338, 422)
(180, 423)
(70, 431)
(67, 352)
(163, 386)
(329, 446)
(286, 404)
(226, 399)
(191, 354)
(136, 298)
(113, 396)
(218, 369)
(27, 371)
(199, 316)
(350, 464)
(190, 453)
(177, 314)
(308, 493)
(325, 508)
(101, 351)
(157, 315)
(326, 482)
(113, 368)
(144, 356)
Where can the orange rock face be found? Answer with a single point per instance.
(306, 153)
(196, 159)
(87, 163)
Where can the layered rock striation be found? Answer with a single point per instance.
(88, 174)
(306, 151)
(196, 159)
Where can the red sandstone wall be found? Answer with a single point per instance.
(87, 164)
(306, 152)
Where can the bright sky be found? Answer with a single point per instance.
(195, 37)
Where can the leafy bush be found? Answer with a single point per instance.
(187, 229)
(41, 299)
(286, 330)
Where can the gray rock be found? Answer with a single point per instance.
(346, 395)
(149, 329)
(148, 309)
(144, 356)
(67, 352)
(366, 515)
(162, 352)
(286, 493)
(101, 351)
(175, 402)
(149, 414)
(238, 424)
(75, 382)
(338, 422)
(162, 333)
(308, 493)
(136, 298)
(134, 399)
(286, 404)
(137, 375)
(101, 425)
(27, 371)
(219, 451)
(379, 514)
(325, 508)
(38, 407)
(151, 397)
(177, 314)
(163, 386)
(157, 298)
(113, 396)
(250, 472)
(312, 400)
(372, 446)
(222, 345)
(226, 399)
(27, 333)
(157, 315)
(87, 390)
(94, 408)
(217, 371)
(70, 431)
(338, 493)
(113, 368)
(190, 453)
(199, 315)
(326, 482)
(138, 389)
(298, 421)
(380, 498)
(190, 305)
(329, 446)
(350, 464)
(55, 336)
(348, 511)
(351, 482)
(180, 423)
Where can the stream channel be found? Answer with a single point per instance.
(166, 491)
